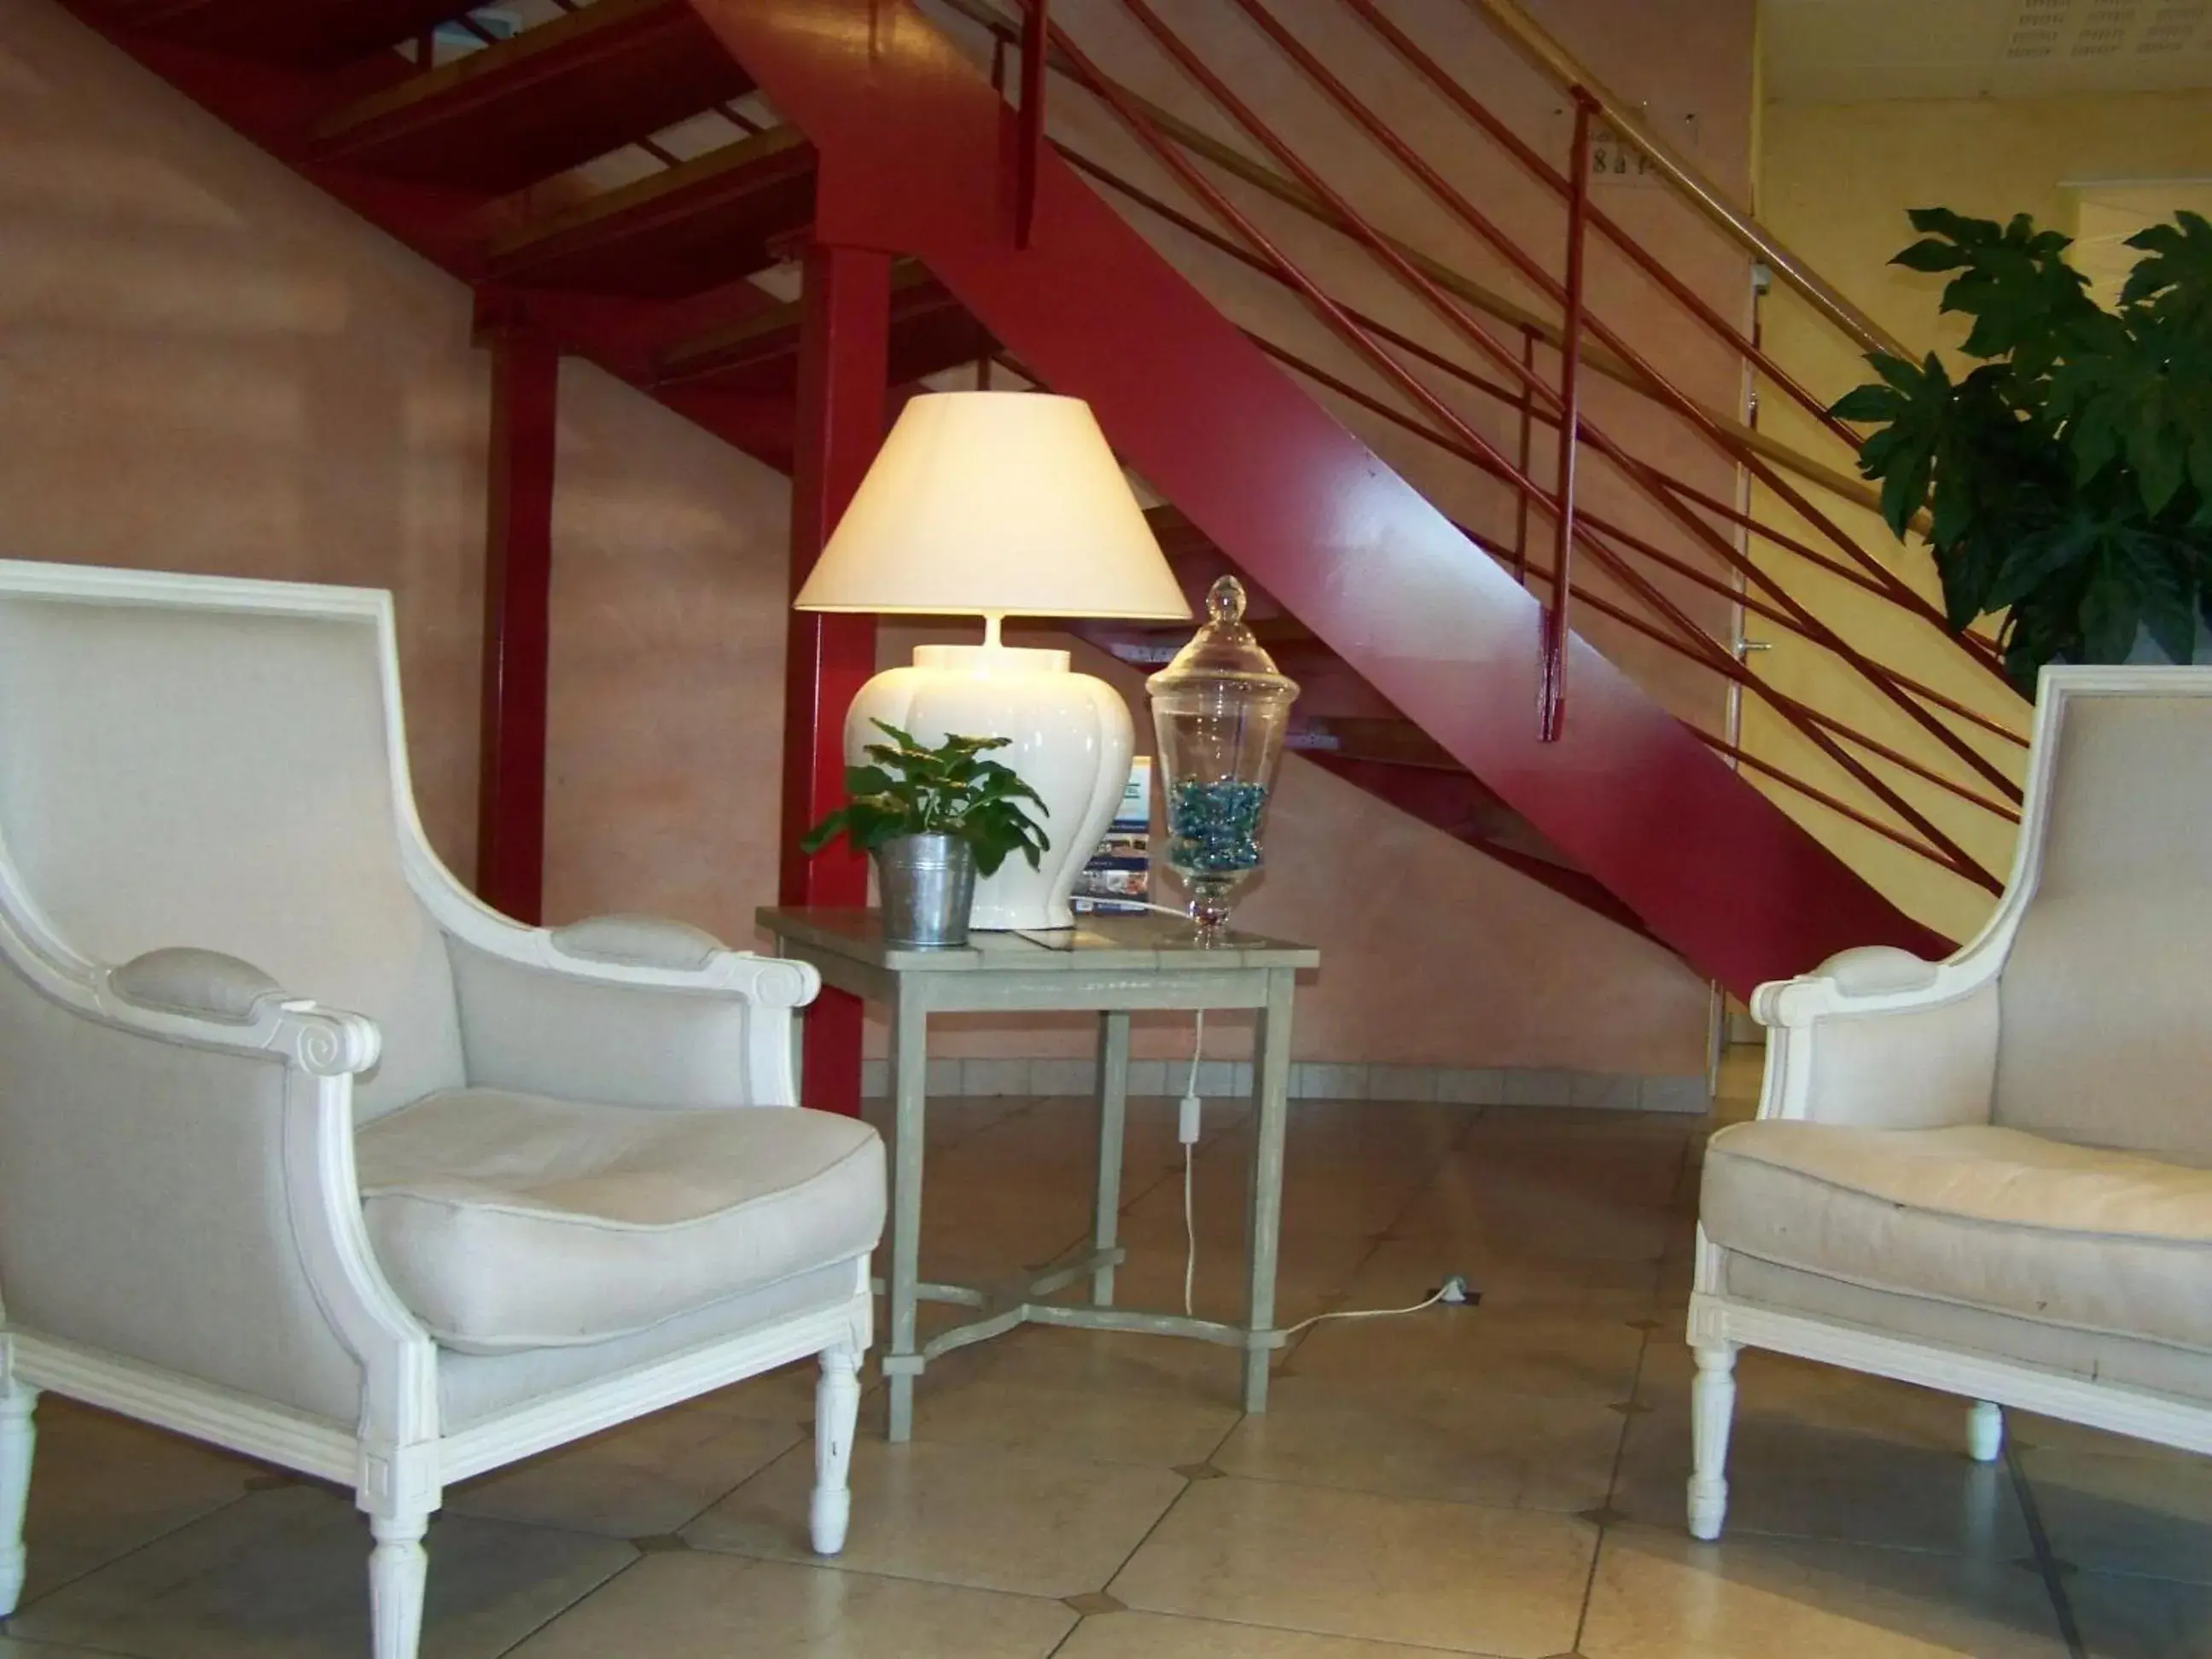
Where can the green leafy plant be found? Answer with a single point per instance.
(907, 789)
(2067, 479)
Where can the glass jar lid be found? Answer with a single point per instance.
(1224, 654)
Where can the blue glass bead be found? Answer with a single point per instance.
(1213, 828)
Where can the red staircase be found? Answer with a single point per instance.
(614, 177)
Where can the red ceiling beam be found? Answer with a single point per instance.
(551, 98)
(709, 221)
(308, 34)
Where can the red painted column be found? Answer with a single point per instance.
(518, 589)
(844, 346)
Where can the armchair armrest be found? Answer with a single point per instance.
(1879, 1038)
(204, 984)
(639, 942)
(182, 994)
(180, 1188)
(628, 1010)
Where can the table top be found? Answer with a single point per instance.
(1149, 941)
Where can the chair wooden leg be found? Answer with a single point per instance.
(398, 1570)
(1984, 1431)
(1712, 1405)
(17, 1438)
(836, 1414)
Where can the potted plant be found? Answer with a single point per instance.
(933, 818)
(2067, 479)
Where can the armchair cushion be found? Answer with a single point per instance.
(1985, 1217)
(508, 1220)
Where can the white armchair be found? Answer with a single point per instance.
(306, 1152)
(1993, 1175)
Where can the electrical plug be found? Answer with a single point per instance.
(1187, 1120)
(1455, 1293)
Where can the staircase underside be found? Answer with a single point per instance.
(1420, 654)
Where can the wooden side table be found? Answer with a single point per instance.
(1112, 964)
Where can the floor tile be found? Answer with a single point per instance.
(1573, 1224)
(971, 1407)
(2026, 1431)
(969, 1515)
(1452, 1576)
(2125, 1515)
(1317, 1205)
(103, 1484)
(1471, 1445)
(1155, 1636)
(283, 1575)
(1658, 1595)
(646, 1477)
(686, 1605)
(1792, 1475)
(2125, 1618)
(1111, 1361)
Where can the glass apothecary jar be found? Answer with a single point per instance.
(1220, 711)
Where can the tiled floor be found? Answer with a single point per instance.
(1504, 1480)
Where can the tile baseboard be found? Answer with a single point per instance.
(1456, 1085)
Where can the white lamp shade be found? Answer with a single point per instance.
(995, 503)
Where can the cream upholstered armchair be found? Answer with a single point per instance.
(306, 1152)
(1993, 1175)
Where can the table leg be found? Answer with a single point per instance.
(1271, 1078)
(909, 1087)
(1113, 1117)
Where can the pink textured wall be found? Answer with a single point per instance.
(205, 365)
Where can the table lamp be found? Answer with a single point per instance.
(1002, 504)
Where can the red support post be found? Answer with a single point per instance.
(517, 592)
(1036, 38)
(844, 342)
(1553, 697)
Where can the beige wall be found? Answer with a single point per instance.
(1835, 183)
(206, 365)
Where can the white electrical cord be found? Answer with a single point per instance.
(1189, 1138)
(1443, 1294)
(1454, 1290)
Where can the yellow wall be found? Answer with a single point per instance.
(1835, 183)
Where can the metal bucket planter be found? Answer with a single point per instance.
(929, 887)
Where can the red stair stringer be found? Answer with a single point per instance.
(917, 157)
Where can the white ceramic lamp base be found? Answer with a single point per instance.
(1072, 743)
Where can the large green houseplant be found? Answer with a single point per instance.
(2067, 477)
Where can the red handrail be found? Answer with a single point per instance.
(1689, 572)
(1521, 402)
(1333, 314)
(1341, 321)
(1880, 581)
(1474, 331)
(1688, 297)
(1456, 203)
